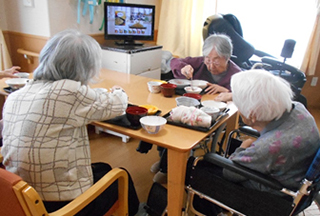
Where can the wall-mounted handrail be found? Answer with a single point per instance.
(28, 55)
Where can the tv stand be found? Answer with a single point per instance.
(128, 43)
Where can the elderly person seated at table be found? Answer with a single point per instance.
(289, 138)
(45, 139)
(215, 67)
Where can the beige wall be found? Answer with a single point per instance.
(47, 17)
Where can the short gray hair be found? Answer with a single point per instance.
(262, 94)
(222, 44)
(69, 55)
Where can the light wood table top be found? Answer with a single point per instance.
(178, 140)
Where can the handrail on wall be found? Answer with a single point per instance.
(28, 55)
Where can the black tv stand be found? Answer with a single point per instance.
(128, 43)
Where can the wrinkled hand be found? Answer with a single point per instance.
(187, 71)
(247, 143)
(116, 87)
(10, 72)
(214, 88)
(224, 97)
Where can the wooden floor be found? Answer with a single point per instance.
(110, 149)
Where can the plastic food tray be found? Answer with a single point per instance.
(124, 122)
(221, 116)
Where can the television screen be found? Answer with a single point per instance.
(128, 22)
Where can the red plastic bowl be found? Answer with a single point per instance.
(134, 113)
(193, 95)
(168, 89)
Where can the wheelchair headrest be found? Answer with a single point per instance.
(233, 20)
(241, 48)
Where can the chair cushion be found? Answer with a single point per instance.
(10, 205)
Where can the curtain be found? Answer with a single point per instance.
(180, 25)
(313, 49)
(5, 59)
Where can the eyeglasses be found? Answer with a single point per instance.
(216, 61)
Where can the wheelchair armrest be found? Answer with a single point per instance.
(261, 54)
(241, 170)
(249, 131)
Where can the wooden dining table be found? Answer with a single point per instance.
(178, 140)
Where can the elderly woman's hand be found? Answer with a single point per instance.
(214, 88)
(247, 143)
(10, 72)
(224, 97)
(116, 87)
(187, 71)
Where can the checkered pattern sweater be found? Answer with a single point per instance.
(45, 139)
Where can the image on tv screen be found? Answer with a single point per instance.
(136, 21)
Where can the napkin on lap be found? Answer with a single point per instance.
(190, 116)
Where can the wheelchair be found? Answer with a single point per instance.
(244, 52)
(243, 201)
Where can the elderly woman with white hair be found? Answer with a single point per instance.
(214, 66)
(289, 138)
(45, 138)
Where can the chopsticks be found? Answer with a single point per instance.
(224, 112)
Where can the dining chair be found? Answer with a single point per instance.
(18, 198)
(244, 201)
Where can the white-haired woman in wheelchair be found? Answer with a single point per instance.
(288, 141)
(289, 138)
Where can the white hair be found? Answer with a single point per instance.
(221, 43)
(69, 55)
(261, 94)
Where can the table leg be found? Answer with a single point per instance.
(232, 124)
(2, 100)
(177, 163)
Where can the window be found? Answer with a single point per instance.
(267, 24)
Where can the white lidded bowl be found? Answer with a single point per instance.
(180, 83)
(199, 83)
(153, 124)
(22, 74)
(213, 103)
(193, 89)
(211, 111)
(187, 101)
(154, 86)
(16, 83)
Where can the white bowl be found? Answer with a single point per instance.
(187, 101)
(16, 83)
(22, 74)
(154, 86)
(213, 103)
(153, 124)
(180, 83)
(211, 111)
(195, 90)
(199, 83)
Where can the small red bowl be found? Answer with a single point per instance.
(193, 95)
(168, 89)
(134, 113)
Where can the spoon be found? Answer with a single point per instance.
(192, 88)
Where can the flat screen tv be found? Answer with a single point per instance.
(128, 23)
